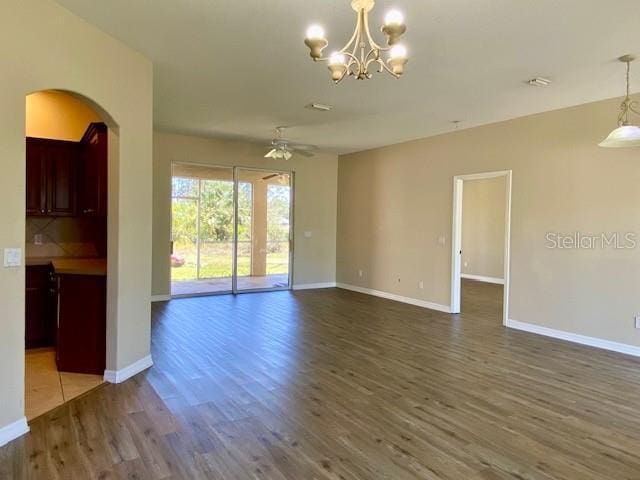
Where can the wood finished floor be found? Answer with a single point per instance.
(332, 384)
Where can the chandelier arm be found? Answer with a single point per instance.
(371, 60)
(372, 42)
(633, 106)
(353, 37)
(384, 67)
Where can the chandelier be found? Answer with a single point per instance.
(626, 135)
(362, 52)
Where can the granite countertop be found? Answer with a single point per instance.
(72, 266)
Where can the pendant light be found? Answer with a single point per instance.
(626, 135)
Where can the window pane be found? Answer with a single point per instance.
(184, 187)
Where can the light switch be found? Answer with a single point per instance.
(308, 234)
(38, 239)
(12, 257)
(442, 240)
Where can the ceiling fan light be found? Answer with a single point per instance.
(621, 137)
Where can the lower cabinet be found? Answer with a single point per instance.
(40, 307)
(81, 321)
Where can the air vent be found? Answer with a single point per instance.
(319, 107)
(539, 82)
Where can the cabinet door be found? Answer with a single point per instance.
(92, 172)
(61, 172)
(81, 346)
(39, 320)
(36, 179)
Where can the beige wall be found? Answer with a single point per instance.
(58, 115)
(483, 215)
(395, 202)
(46, 47)
(315, 201)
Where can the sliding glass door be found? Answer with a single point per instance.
(231, 230)
(264, 230)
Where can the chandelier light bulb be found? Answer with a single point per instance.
(394, 17)
(398, 52)
(315, 32)
(337, 58)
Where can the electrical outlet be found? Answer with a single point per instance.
(466, 264)
(360, 273)
(638, 321)
(421, 284)
(37, 239)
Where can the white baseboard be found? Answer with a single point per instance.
(397, 298)
(314, 286)
(119, 376)
(160, 298)
(482, 278)
(575, 338)
(13, 431)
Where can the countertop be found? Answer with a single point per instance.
(72, 266)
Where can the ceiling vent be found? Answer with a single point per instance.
(319, 107)
(539, 82)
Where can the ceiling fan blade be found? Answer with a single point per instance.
(302, 146)
(287, 155)
(271, 154)
(269, 177)
(304, 153)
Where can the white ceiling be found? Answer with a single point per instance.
(230, 68)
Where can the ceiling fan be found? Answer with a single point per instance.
(283, 149)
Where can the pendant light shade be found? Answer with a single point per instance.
(625, 136)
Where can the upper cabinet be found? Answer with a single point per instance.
(36, 178)
(68, 178)
(51, 177)
(92, 172)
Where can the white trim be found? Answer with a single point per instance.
(397, 298)
(314, 286)
(13, 430)
(456, 238)
(575, 338)
(119, 376)
(160, 298)
(482, 278)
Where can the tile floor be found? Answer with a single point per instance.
(46, 388)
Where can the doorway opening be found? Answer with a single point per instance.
(481, 244)
(65, 249)
(231, 230)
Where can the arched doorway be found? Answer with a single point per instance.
(68, 148)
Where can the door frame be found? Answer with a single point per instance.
(234, 169)
(456, 238)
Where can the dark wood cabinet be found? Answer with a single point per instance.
(36, 179)
(51, 177)
(67, 179)
(40, 307)
(93, 172)
(81, 342)
(62, 160)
